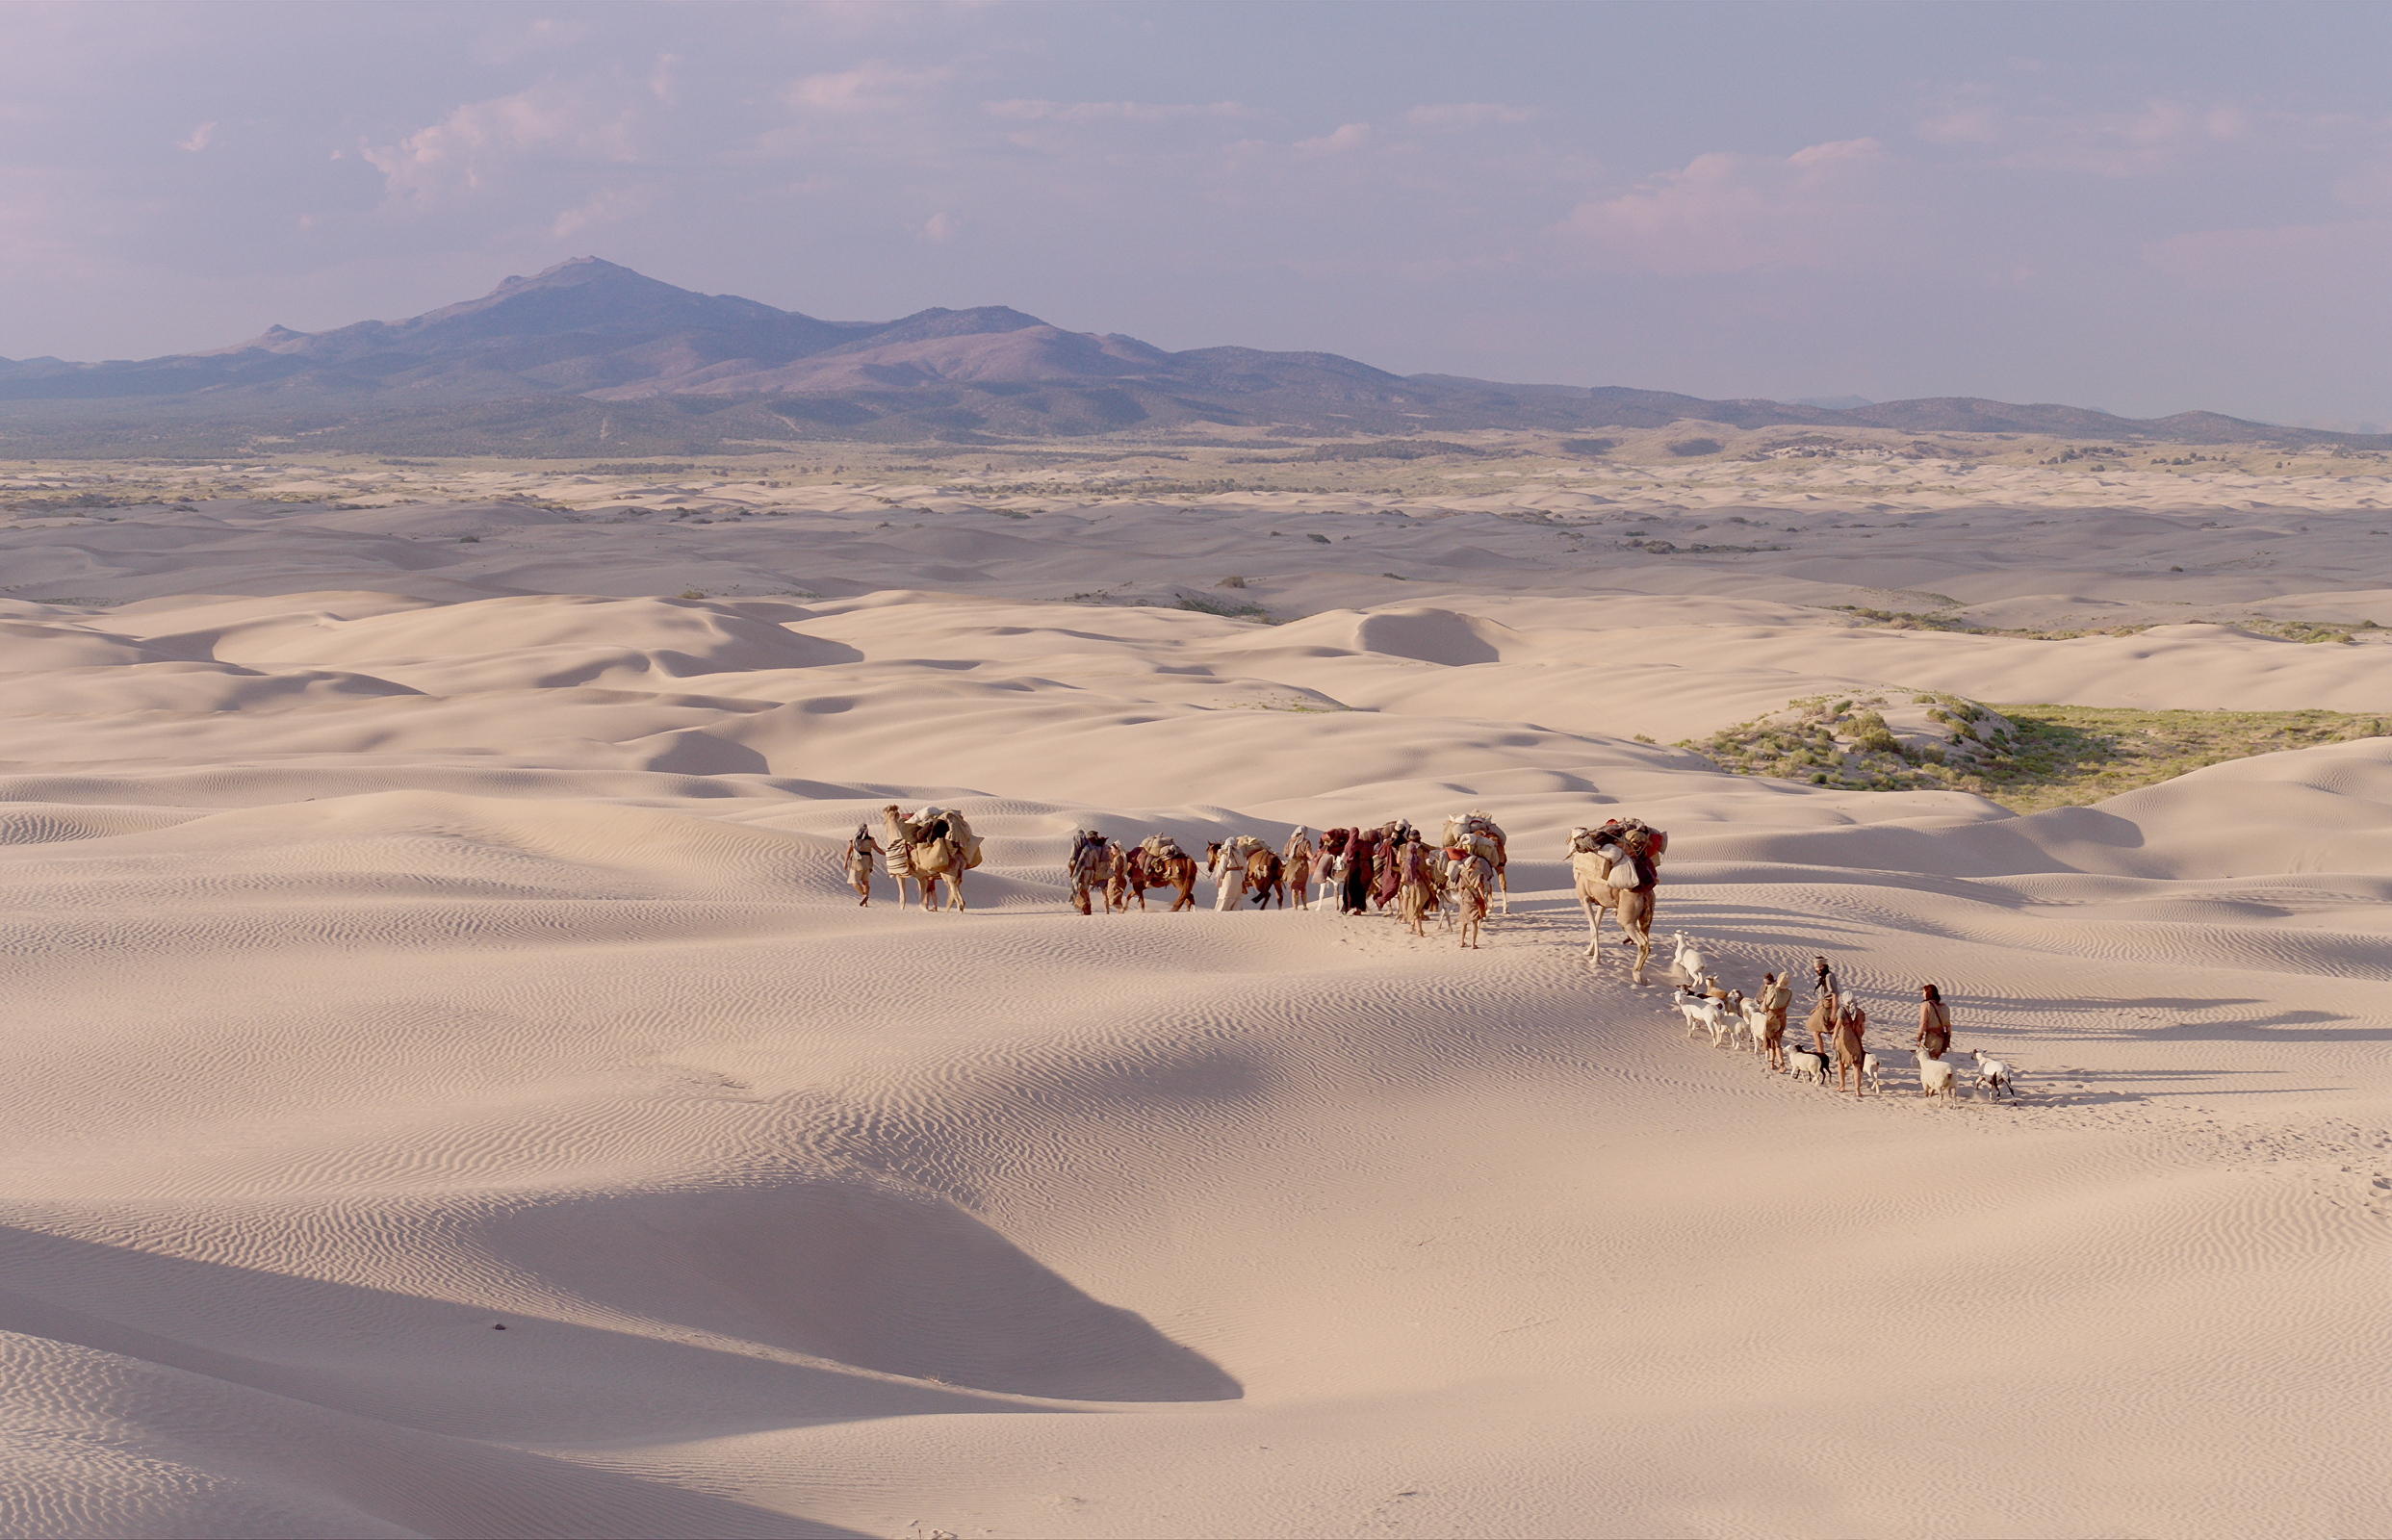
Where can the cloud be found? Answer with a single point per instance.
(2158, 135)
(1732, 213)
(465, 149)
(1348, 137)
(872, 87)
(1029, 110)
(506, 44)
(2345, 258)
(603, 207)
(1467, 114)
(198, 138)
(942, 227)
(2366, 187)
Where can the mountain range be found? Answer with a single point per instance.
(591, 357)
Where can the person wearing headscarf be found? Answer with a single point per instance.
(858, 861)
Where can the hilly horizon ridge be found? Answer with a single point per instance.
(589, 356)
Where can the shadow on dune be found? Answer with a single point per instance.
(383, 1401)
(2286, 1026)
(890, 1281)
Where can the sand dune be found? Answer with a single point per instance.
(413, 937)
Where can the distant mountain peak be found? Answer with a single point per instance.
(587, 338)
(575, 271)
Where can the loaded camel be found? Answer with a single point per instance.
(1616, 870)
(1483, 837)
(934, 845)
(937, 845)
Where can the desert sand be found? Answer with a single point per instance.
(425, 920)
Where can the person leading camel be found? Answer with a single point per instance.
(1821, 1022)
(1412, 879)
(1296, 859)
(1851, 1022)
(1387, 885)
(861, 854)
(1776, 996)
(1361, 863)
(1116, 879)
(1087, 868)
(1935, 1022)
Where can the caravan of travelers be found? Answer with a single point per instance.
(1394, 870)
(1390, 869)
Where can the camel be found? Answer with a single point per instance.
(1475, 832)
(933, 846)
(1593, 854)
(1164, 866)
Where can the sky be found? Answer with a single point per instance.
(2145, 209)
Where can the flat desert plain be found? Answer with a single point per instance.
(450, 1091)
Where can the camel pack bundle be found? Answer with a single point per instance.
(1160, 847)
(1631, 845)
(944, 823)
(1477, 833)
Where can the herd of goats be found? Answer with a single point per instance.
(1614, 867)
(1392, 868)
(1837, 1024)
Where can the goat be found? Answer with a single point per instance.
(1808, 1066)
(1873, 1072)
(1757, 1026)
(1690, 960)
(1993, 1073)
(1739, 1021)
(1935, 1079)
(1694, 1008)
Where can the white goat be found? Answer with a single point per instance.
(1994, 1074)
(1755, 1025)
(1935, 1079)
(1808, 1065)
(1873, 1072)
(1694, 1008)
(1740, 1026)
(1690, 960)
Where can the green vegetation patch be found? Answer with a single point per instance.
(1204, 605)
(2290, 630)
(2026, 757)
